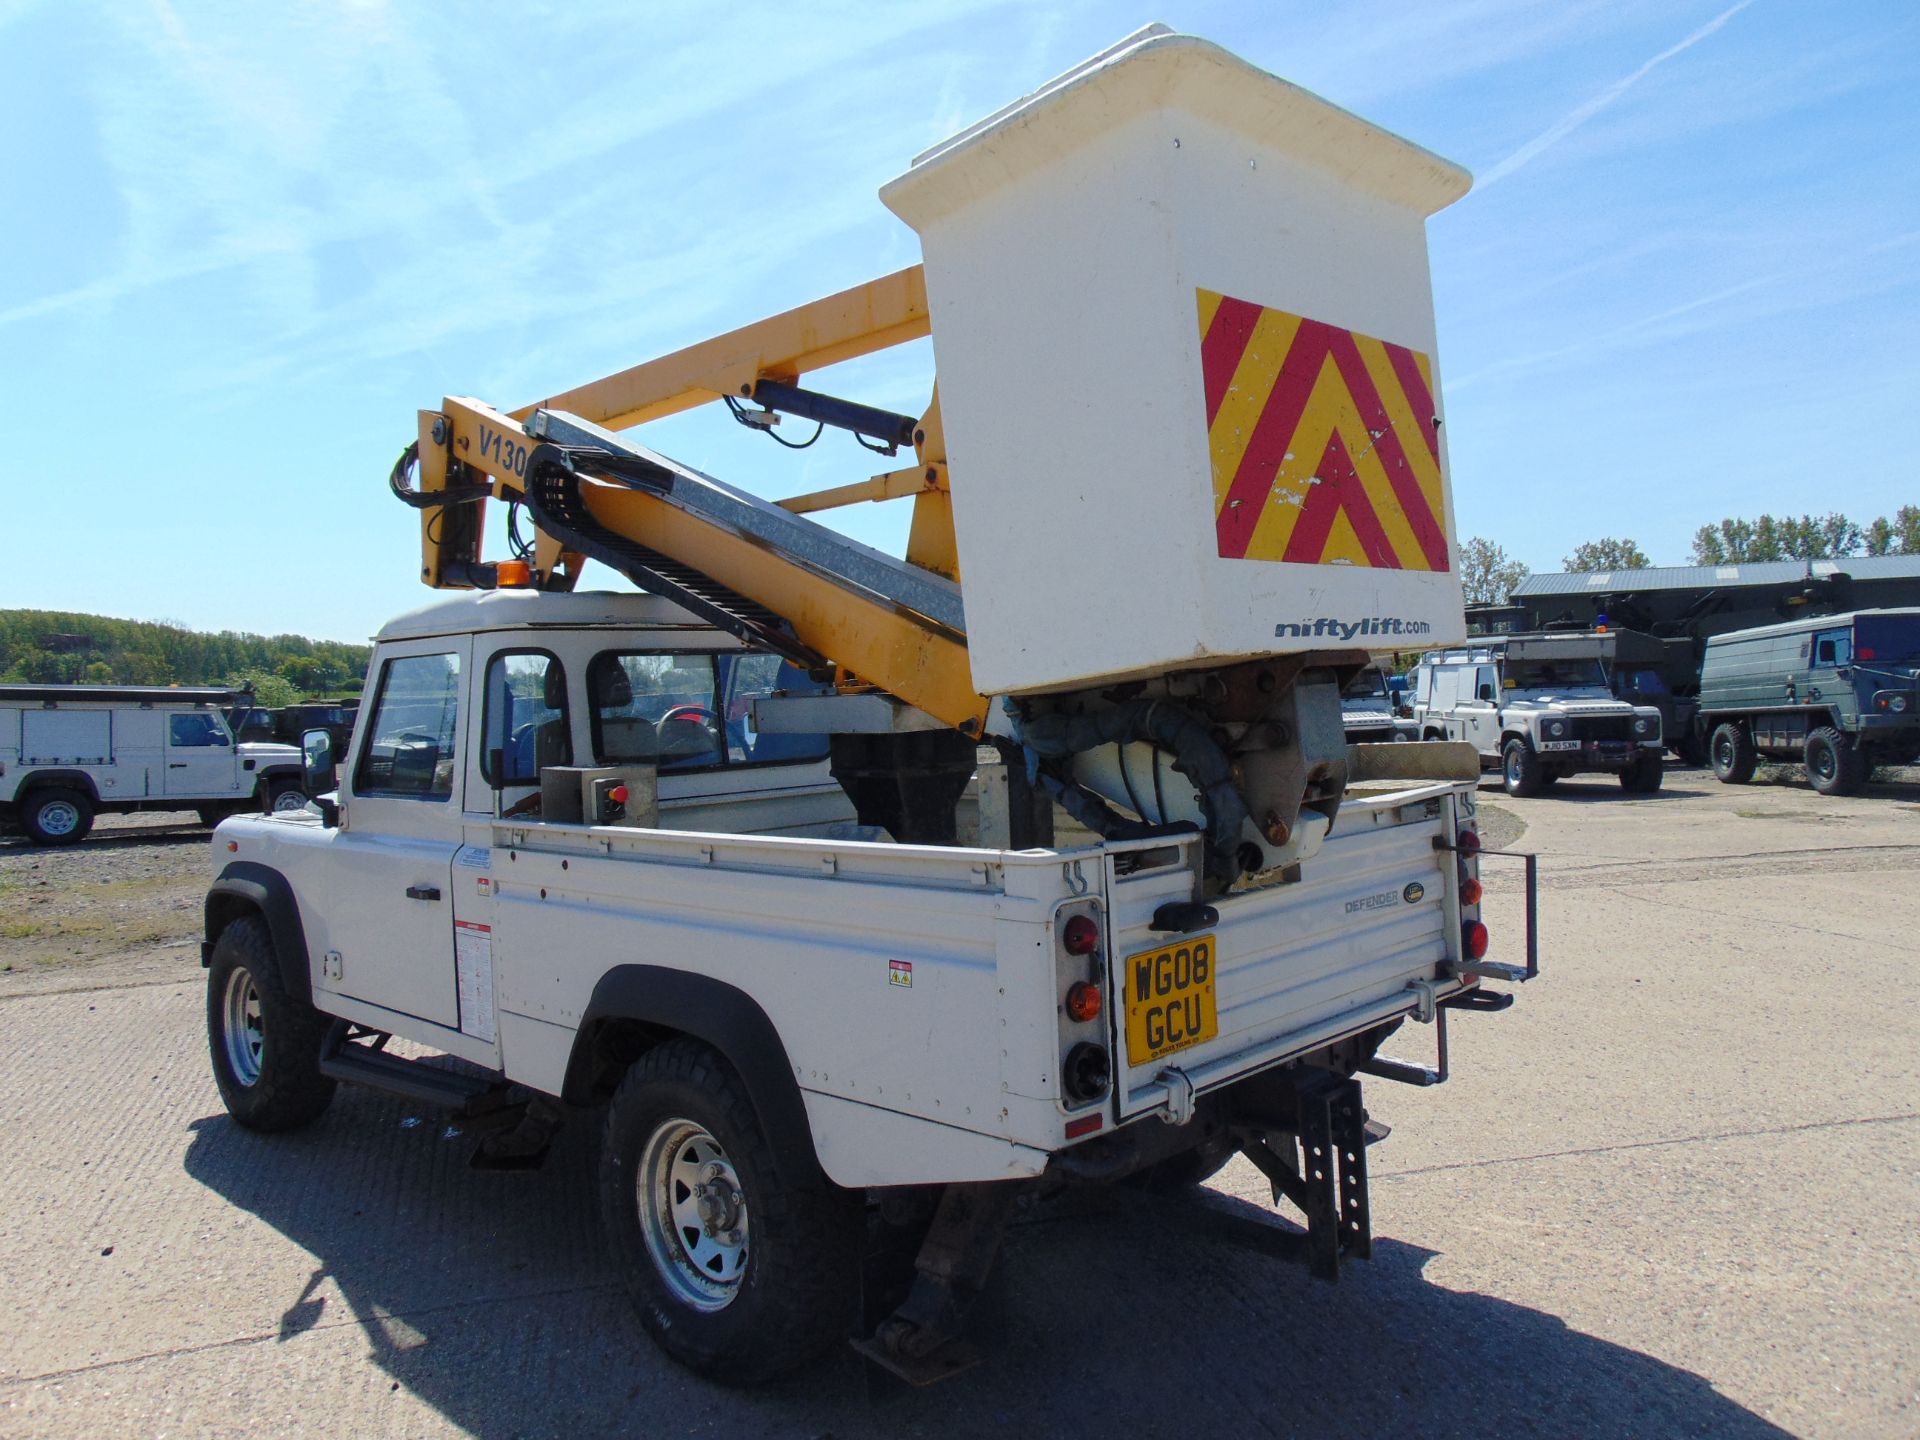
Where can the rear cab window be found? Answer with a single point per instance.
(692, 711)
(525, 724)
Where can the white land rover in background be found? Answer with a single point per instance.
(1369, 710)
(1538, 707)
(70, 752)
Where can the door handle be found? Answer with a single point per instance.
(176, 765)
(423, 892)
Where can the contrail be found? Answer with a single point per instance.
(1580, 114)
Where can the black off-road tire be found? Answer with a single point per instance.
(1732, 753)
(1520, 769)
(1644, 775)
(285, 1088)
(56, 815)
(798, 1294)
(1833, 766)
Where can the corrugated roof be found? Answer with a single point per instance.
(1707, 577)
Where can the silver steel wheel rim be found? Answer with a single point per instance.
(240, 1029)
(693, 1215)
(59, 817)
(288, 801)
(1513, 768)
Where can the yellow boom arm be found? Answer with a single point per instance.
(467, 445)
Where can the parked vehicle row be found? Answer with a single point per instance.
(71, 752)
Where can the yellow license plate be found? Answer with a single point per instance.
(1170, 1001)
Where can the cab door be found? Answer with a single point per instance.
(390, 916)
(201, 759)
(1480, 708)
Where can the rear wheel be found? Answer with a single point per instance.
(737, 1273)
(1732, 754)
(264, 1044)
(1834, 766)
(57, 816)
(1520, 769)
(1644, 776)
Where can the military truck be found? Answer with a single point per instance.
(1538, 707)
(1836, 692)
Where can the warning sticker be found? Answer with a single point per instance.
(473, 964)
(1325, 444)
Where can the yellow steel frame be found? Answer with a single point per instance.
(871, 644)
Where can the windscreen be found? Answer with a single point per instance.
(1887, 639)
(1572, 674)
(1369, 684)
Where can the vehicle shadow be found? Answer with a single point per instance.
(1584, 790)
(484, 1295)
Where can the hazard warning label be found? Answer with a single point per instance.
(1325, 444)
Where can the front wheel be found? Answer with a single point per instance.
(737, 1273)
(1834, 766)
(1520, 769)
(286, 798)
(57, 816)
(264, 1044)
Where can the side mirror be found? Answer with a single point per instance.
(1486, 693)
(316, 754)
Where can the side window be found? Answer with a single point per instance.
(195, 728)
(1488, 683)
(416, 716)
(1833, 647)
(747, 678)
(524, 723)
(654, 710)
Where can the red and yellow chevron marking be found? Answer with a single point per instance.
(1325, 447)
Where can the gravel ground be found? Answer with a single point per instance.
(134, 885)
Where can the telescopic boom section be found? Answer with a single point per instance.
(757, 569)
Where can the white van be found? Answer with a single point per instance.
(70, 752)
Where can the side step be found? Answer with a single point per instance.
(413, 1080)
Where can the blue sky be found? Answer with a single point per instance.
(246, 243)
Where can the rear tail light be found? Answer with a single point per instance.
(1470, 891)
(1083, 1001)
(1473, 940)
(1467, 842)
(1081, 936)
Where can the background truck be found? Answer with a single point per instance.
(1539, 707)
(70, 752)
(697, 859)
(1835, 691)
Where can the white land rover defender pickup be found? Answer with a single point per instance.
(779, 1019)
(1538, 707)
(695, 859)
(71, 752)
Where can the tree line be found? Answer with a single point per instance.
(54, 647)
(1489, 575)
